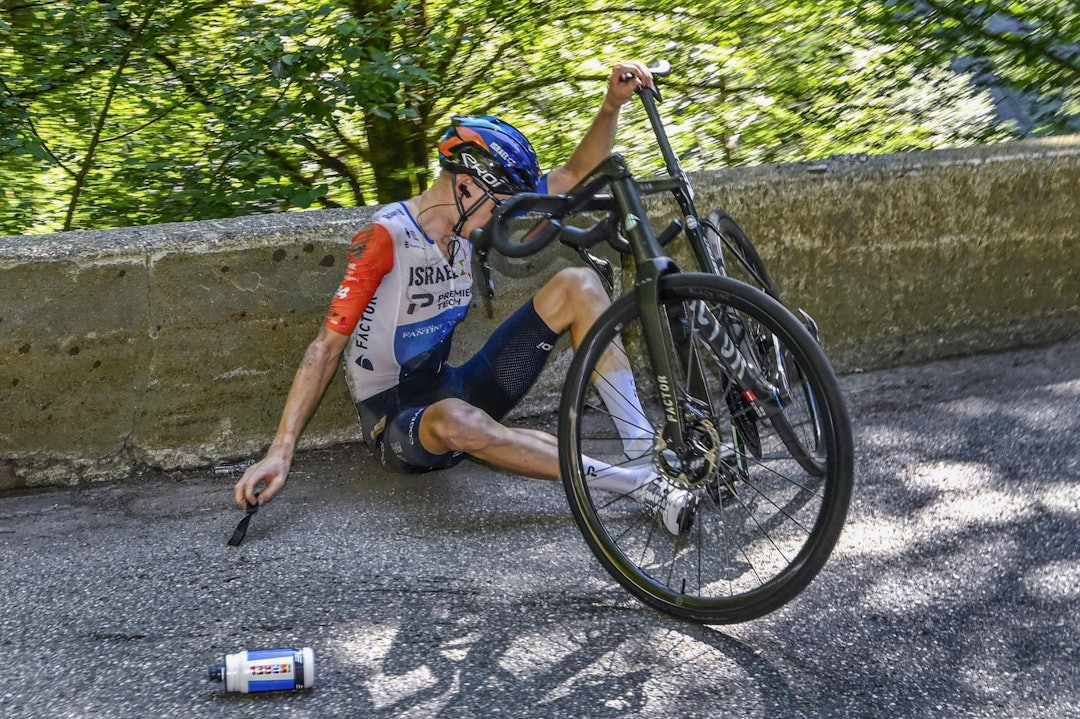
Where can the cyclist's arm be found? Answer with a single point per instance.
(370, 259)
(313, 376)
(598, 142)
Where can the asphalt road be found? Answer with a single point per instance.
(955, 590)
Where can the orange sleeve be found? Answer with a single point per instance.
(370, 259)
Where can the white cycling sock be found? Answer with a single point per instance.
(619, 479)
(619, 392)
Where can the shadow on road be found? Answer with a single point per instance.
(955, 589)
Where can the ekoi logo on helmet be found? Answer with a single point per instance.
(479, 171)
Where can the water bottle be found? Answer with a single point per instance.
(266, 670)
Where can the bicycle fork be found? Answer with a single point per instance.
(763, 398)
(762, 395)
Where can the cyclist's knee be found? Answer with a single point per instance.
(570, 292)
(454, 425)
(580, 282)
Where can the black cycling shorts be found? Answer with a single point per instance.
(494, 380)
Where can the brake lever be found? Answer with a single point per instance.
(600, 266)
(487, 292)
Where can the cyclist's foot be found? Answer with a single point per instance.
(666, 501)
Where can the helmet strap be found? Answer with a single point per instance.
(465, 213)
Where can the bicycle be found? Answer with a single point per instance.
(741, 401)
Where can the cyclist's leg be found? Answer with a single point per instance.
(452, 427)
(504, 370)
(494, 380)
(440, 435)
(484, 389)
(400, 449)
(572, 301)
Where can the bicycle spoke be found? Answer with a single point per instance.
(642, 424)
(756, 512)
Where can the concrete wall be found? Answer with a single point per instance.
(173, 345)
(911, 257)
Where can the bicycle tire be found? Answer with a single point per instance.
(764, 527)
(734, 255)
(730, 247)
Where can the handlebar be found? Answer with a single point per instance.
(583, 198)
(554, 208)
(496, 233)
(659, 69)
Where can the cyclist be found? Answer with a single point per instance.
(408, 283)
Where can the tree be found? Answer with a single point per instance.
(123, 112)
(1024, 53)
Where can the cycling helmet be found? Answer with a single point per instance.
(492, 151)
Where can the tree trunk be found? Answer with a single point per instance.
(398, 157)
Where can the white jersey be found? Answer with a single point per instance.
(400, 302)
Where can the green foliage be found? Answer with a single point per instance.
(121, 112)
(1026, 53)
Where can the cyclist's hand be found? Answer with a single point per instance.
(271, 472)
(626, 77)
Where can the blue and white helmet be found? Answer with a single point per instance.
(492, 151)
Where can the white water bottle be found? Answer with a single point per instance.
(266, 670)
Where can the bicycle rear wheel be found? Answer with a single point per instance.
(765, 524)
(733, 254)
(728, 251)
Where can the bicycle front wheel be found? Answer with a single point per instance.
(765, 521)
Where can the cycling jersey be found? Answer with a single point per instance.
(399, 303)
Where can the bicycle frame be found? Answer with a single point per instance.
(652, 263)
(678, 183)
